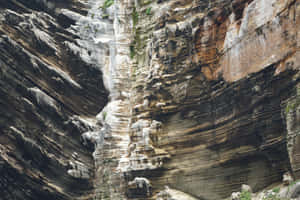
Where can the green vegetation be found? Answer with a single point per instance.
(245, 195)
(135, 17)
(148, 11)
(104, 114)
(273, 196)
(107, 4)
(291, 106)
(276, 190)
(132, 51)
(139, 40)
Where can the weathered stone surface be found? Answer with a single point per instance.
(217, 76)
(246, 188)
(49, 96)
(236, 196)
(203, 97)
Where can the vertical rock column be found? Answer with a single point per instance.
(111, 150)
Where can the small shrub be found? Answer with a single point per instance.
(107, 4)
(148, 11)
(276, 190)
(245, 195)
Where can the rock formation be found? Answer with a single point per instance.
(165, 99)
(49, 97)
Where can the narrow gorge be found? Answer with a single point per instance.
(149, 99)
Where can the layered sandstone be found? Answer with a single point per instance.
(49, 97)
(176, 99)
(211, 82)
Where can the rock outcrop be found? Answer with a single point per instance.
(217, 76)
(164, 99)
(49, 97)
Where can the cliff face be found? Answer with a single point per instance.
(217, 76)
(49, 96)
(210, 86)
(203, 97)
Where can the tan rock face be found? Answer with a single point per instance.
(216, 75)
(202, 98)
(244, 38)
(267, 34)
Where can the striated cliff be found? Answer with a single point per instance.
(165, 99)
(49, 97)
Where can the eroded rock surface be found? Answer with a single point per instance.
(49, 97)
(217, 76)
(203, 97)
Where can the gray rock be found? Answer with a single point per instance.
(294, 191)
(236, 196)
(246, 188)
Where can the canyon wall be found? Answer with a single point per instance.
(49, 97)
(219, 78)
(165, 99)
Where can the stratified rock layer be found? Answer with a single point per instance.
(49, 97)
(204, 97)
(216, 76)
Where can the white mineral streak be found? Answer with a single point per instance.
(70, 14)
(104, 43)
(42, 98)
(44, 37)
